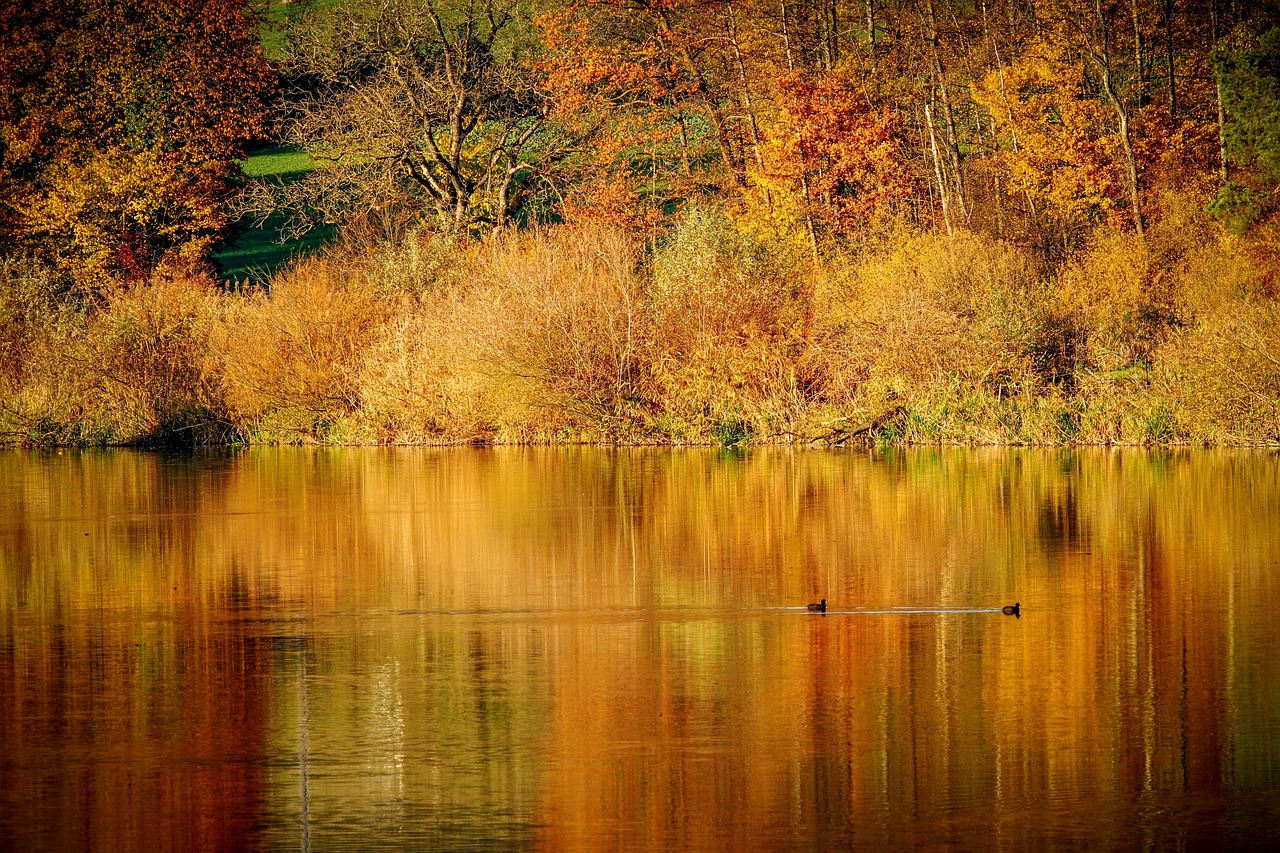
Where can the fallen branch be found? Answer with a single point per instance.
(842, 434)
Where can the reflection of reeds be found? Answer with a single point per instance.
(576, 334)
(920, 527)
(1142, 662)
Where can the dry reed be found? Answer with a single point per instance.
(579, 334)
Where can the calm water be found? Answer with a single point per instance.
(579, 649)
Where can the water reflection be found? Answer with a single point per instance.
(582, 648)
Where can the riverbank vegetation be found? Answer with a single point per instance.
(822, 222)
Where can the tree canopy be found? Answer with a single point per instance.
(120, 125)
(1250, 80)
(1035, 120)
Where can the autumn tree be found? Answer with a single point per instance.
(851, 159)
(1057, 145)
(636, 143)
(1095, 34)
(1056, 114)
(121, 125)
(697, 53)
(410, 103)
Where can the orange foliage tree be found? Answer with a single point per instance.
(851, 158)
(615, 105)
(121, 124)
(656, 85)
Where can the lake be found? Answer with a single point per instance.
(582, 648)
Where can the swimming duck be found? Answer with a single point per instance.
(820, 607)
(1014, 609)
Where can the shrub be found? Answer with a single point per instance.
(727, 319)
(926, 310)
(421, 380)
(572, 334)
(557, 319)
(131, 367)
(291, 356)
(144, 363)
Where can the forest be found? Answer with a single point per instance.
(820, 222)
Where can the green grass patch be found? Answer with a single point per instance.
(256, 252)
(276, 16)
(278, 161)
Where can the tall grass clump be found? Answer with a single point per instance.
(960, 332)
(558, 325)
(37, 314)
(127, 365)
(526, 337)
(292, 354)
(717, 335)
(371, 343)
(1181, 338)
(1218, 371)
(390, 255)
(727, 317)
(147, 364)
(421, 381)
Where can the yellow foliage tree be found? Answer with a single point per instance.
(110, 215)
(1055, 134)
(120, 125)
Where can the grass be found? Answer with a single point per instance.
(257, 252)
(277, 161)
(275, 19)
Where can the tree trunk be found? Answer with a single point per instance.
(1139, 53)
(1130, 162)
(684, 146)
(1166, 7)
(833, 33)
(752, 125)
(663, 22)
(937, 169)
(509, 152)
(1004, 93)
(1103, 62)
(1222, 139)
(804, 178)
(1215, 32)
(808, 215)
(786, 36)
(949, 121)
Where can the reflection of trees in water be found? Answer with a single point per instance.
(1060, 530)
(399, 739)
(121, 733)
(600, 661)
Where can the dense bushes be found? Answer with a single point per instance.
(580, 334)
(137, 364)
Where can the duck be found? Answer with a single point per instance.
(820, 607)
(1014, 609)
